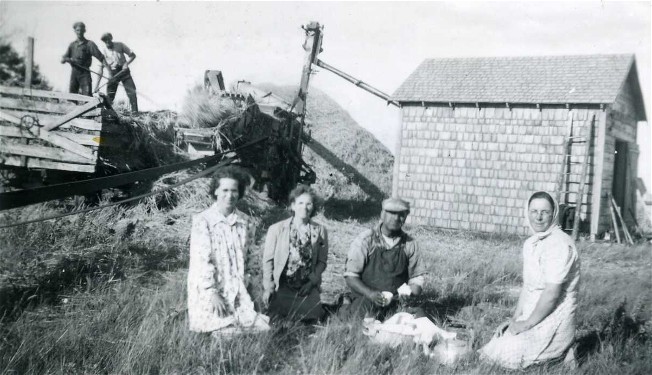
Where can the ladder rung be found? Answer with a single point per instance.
(577, 137)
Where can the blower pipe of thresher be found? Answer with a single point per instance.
(357, 82)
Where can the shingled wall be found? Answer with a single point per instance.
(473, 168)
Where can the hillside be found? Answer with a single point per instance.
(355, 149)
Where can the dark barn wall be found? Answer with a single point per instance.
(621, 126)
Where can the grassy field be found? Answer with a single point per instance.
(105, 293)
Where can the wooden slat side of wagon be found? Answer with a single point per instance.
(49, 130)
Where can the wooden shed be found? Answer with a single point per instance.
(478, 135)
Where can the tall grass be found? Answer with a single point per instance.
(105, 292)
(134, 320)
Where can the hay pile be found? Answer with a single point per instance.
(203, 110)
(135, 142)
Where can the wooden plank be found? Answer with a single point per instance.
(58, 140)
(564, 161)
(82, 139)
(35, 106)
(80, 110)
(7, 117)
(29, 62)
(47, 119)
(44, 94)
(628, 237)
(613, 219)
(585, 171)
(598, 174)
(46, 164)
(67, 144)
(43, 152)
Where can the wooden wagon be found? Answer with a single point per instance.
(49, 130)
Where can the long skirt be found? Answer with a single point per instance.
(287, 303)
(548, 340)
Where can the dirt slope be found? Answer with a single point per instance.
(355, 157)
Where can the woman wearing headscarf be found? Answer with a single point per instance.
(295, 256)
(218, 300)
(543, 325)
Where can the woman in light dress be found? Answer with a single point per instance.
(543, 325)
(218, 300)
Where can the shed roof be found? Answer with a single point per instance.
(586, 79)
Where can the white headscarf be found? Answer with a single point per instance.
(553, 224)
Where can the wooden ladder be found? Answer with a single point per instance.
(563, 189)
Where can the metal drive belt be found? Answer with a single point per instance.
(205, 172)
(26, 197)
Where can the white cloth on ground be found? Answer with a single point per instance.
(404, 327)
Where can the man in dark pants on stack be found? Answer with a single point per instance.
(380, 260)
(80, 55)
(118, 67)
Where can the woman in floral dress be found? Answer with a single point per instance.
(218, 300)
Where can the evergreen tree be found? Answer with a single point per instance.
(12, 69)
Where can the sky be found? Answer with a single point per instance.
(380, 43)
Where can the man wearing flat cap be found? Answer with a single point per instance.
(118, 66)
(80, 55)
(382, 259)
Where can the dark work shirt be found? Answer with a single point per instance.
(82, 52)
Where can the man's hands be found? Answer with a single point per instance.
(65, 60)
(379, 299)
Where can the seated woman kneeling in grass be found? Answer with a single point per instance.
(218, 300)
(543, 325)
(295, 256)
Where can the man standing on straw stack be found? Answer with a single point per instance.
(118, 67)
(80, 56)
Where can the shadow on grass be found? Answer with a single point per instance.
(439, 309)
(70, 274)
(618, 331)
(76, 273)
(354, 176)
(363, 211)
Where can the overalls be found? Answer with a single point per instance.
(386, 270)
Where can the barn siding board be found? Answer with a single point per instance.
(476, 170)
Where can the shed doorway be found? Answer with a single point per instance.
(619, 185)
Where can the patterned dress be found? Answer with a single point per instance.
(217, 294)
(299, 264)
(548, 257)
